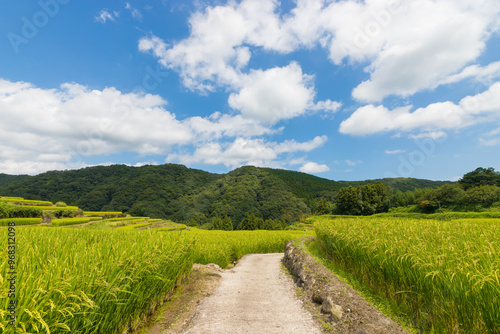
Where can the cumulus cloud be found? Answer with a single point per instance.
(218, 125)
(245, 151)
(58, 128)
(57, 125)
(240, 152)
(105, 15)
(313, 168)
(402, 60)
(216, 50)
(267, 96)
(289, 146)
(450, 35)
(470, 110)
(274, 94)
(485, 74)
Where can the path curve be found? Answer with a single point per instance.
(254, 297)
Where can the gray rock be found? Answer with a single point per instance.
(329, 307)
(318, 296)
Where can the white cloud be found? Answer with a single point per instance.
(431, 135)
(405, 60)
(327, 105)
(214, 53)
(274, 94)
(241, 152)
(217, 126)
(490, 141)
(45, 129)
(314, 168)
(136, 14)
(394, 151)
(73, 121)
(289, 146)
(484, 74)
(246, 151)
(104, 15)
(372, 119)
(402, 60)
(353, 163)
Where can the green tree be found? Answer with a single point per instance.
(227, 224)
(323, 207)
(484, 195)
(348, 199)
(480, 177)
(248, 223)
(217, 223)
(364, 200)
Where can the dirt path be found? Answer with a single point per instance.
(254, 297)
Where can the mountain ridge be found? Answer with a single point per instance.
(177, 192)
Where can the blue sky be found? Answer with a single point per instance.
(346, 90)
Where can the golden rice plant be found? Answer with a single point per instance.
(85, 281)
(444, 273)
(73, 221)
(20, 221)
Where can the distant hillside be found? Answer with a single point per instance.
(180, 193)
(244, 190)
(6, 178)
(144, 191)
(309, 187)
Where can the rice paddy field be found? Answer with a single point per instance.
(84, 280)
(105, 272)
(444, 275)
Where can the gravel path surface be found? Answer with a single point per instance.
(254, 297)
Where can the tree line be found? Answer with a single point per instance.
(274, 197)
(475, 191)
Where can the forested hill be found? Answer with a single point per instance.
(6, 178)
(310, 187)
(180, 193)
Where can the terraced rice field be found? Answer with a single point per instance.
(445, 274)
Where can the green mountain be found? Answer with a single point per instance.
(6, 178)
(180, 193)
(310, 187)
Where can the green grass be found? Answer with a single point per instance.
(20, 221)
(73, 221)
(444, 274)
